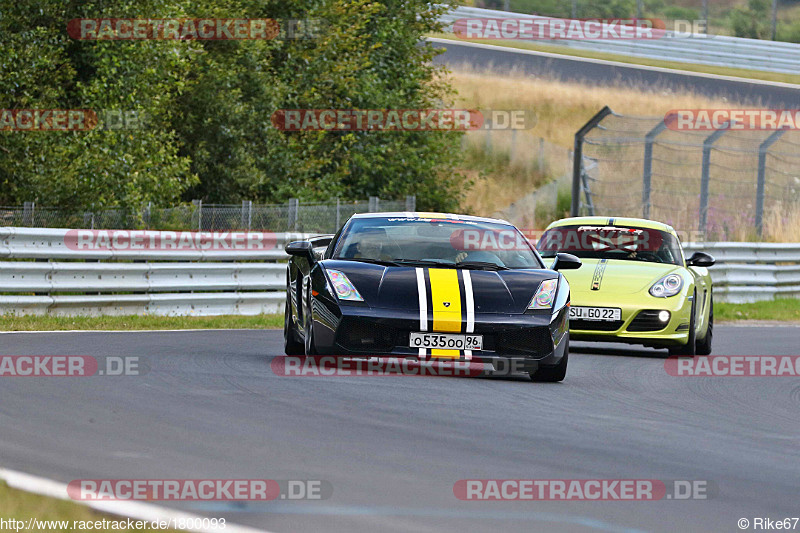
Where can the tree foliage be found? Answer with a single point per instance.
(207, 106)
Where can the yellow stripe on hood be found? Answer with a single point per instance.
(446, 318)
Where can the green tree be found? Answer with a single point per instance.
(752, 21)
(41, 67)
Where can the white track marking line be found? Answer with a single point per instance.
(135, 510)
(469, 298)
(423, 306)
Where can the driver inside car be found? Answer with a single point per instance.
(371, 247)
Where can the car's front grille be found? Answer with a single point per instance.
(364, 335)
(595, 325)
(647, 321)
(529, 341)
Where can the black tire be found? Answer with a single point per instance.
(290, 344)
(704, 346)
(309, 347)
(552, 374)
(691, 344)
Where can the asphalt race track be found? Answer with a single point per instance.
(598, 72)
(210, 407)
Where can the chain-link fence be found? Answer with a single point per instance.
(291, 216)
(723, 184)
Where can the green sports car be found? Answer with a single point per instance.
(635, 285)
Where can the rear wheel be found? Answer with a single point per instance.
(552, 374)
(704, 346)
(290, 344)
(691, 344)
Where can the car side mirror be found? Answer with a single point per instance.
(701, 259)
(566, 262)
(301, 249)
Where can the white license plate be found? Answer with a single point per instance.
(446, 341)
(595, 313)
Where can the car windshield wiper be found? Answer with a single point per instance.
(424, 262)
(369, 260)
(483, 265)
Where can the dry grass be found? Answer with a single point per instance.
(562, 108)
(782, 224)
(502, 175)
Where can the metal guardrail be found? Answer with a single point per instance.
(750, 272)
(59, 281)
(716, 50)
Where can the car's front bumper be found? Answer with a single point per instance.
(638, 324)
(519, 343)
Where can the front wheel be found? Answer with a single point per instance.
(704, 346)
(290, 344)
(553, 374)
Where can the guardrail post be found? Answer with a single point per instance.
(27, 213)
(649, 139)
(411, 203)
(762, 179)
(373, 204)
(577, 157)
(294, 206)
(704, 179)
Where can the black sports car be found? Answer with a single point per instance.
(429, 286)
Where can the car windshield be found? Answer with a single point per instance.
(612, 242)
(443, 242)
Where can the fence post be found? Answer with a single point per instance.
(338, 215)
(373, 204)
(294, 206)
(704, 178)
(648, 166)
(411, 203)
(146, 215)
(27, 213)
(577, 157)
(247, 214)
(762, 179)
(199, 205)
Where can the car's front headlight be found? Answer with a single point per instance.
(667, 286)
(342, 286)
(545, 295)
